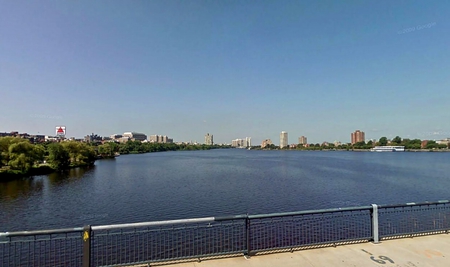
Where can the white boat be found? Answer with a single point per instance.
(388, 149)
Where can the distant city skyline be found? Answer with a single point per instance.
(319, 69)
(357, 136)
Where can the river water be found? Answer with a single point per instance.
(188, 184)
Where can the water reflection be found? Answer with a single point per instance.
(29, 186)
(21, 188)
(68, 176)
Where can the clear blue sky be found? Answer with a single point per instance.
(231, 68)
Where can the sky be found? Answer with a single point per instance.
(234, 69)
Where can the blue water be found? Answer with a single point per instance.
(187, 184)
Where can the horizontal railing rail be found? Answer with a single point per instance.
(157, 241)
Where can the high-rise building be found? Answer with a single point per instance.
(302, 140)
(283, 139)
(209, 139)
(248, 141)
(237, 143)
(357, 136)
(241, 143)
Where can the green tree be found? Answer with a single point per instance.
(105, 150)
(397, 140)
(432, 144)
(383, 141)
(5, 142)
(360, 145)
(58, 156)
(80, 153)
(23, 155)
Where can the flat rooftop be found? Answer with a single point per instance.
(423, 251)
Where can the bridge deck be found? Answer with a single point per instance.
(424, 251)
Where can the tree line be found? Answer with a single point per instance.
(110, 149)
(19, 156)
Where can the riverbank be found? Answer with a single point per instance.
(7, 175)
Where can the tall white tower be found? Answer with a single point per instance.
(248, 141)
(283, 139)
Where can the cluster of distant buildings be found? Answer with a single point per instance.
(135, 136)
(355, 137)
(284, 141)
(34, 138)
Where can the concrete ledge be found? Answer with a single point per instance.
(422, 251)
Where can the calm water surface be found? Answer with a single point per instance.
(186, 184)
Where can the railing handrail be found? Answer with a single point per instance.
(42, 232)
(154, 223)
(307, 212)
(415, 204)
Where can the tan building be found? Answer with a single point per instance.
(266, 142)
(358, 136)
(302, 140)
(209, 139)
(283, 139)
(162, 139)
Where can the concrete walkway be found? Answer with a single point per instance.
(425, 251)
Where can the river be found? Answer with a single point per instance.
(188, 184)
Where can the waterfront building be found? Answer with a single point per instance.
(209, 139)
(424, 144)
(162, 139)
(123, 139)
(357, 136)
(445, 141)
(115, 136)
(248, 141)
(237, 143)
(134, 136)
(283, 139)
(302, 140)
(93, 138)
(266, 143)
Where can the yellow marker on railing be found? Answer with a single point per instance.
(85, 236)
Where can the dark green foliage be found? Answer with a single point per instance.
(58, 156)
(383, 141)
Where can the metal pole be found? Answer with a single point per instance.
(87, 246)
(248, 236)
(376, 238)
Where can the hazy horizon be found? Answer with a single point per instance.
(233, 69)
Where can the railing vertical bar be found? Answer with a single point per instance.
(87, 246)
(375, 225)
(247, 235)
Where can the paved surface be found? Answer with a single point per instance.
(425, 251)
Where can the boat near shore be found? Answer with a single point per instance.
(388, 149)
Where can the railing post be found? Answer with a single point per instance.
(247, 236)
(375, 234)
(87, 246)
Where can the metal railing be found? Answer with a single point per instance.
(149, 242)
